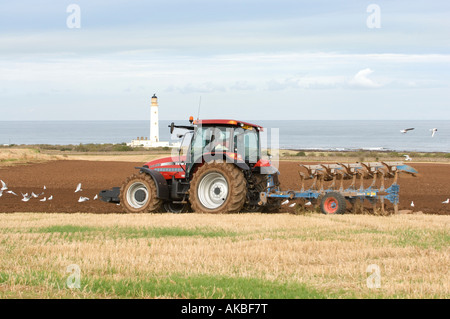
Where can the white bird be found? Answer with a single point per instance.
(285, 202)
(78, 188)
(95, 197)
(446, 201)
(1, 193)
(45, 187)
(308, 204)
(407, 129)
(82, 199)
(11, 192)
(412, 204)
(4, 187)
(50, 198)
(26, 197)
(43, 200)
(292, 205)
(407, 158)
(34, 195)
(433, 131)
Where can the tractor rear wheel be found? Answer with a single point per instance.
(218, 188)
(138, 194)
(333, 203)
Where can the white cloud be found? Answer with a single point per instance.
(361, 80)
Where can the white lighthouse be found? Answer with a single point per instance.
(153, 140)
(154, 127)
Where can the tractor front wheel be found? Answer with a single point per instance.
(333, 203)
(218, 188)
(138, 195)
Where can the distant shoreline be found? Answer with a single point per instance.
(106, 145)
(123, 152)
(324, 150)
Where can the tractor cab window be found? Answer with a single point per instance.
(185, 143)
(246, 143)
(210, 139)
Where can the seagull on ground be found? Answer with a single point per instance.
(50, 198)
(45, 187)
(433, 131)
(95, 197)
(34, 195)
(78, 188)
(407, 158)
(1, 193)
(446, 201)
(285, 202)
(292, 205)
(406, 130)
(4, 187)
(82, 199)
(43, 200)
(412, 204)
(308, 204)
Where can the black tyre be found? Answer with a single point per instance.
(176, 208)
(257, 185)
(333, 203)
(138, 195)
(218, 188)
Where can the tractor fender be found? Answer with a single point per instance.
(162, 189)
(239, 163)
(242, 165)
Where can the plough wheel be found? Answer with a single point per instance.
(333, 203)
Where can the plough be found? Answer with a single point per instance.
(327, 186)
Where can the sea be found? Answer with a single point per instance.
(338, 135)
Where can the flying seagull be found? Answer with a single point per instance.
(78, 188)
(446, 201)
(407, 129)
(82, 199)
(1, 193)
(34, 195)
(4, 187)
(407, 158)
(11, 192)
(285, 202)
(433, 131)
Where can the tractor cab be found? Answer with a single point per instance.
(229, 140)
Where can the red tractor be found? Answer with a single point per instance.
(218, 169)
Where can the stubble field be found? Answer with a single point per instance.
(225, 256)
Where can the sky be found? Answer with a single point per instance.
(242, 59)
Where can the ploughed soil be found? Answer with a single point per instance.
(428, 190)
